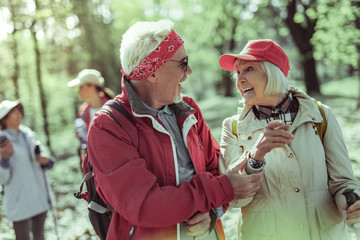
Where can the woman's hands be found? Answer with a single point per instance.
(6, 150)
(352, 212)
(274, 135)
(42, 160)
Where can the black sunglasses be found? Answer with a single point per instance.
(183, 63)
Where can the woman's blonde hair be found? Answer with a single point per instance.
(140, 40)
(277, 82)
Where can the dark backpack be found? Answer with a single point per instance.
(100, 213)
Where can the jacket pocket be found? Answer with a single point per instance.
(258, 225)
(331, 224)
(328, 215)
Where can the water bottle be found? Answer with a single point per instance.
(81, 130)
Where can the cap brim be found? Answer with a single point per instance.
(109, 92)
(9, 108)
(74, 83)
(227, 61)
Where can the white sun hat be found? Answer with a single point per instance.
(6, 106)
(90, 76)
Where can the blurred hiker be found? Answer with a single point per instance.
(27, 194)
(91, 90)
(159, 168)
(307, 165)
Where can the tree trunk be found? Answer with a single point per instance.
(15, 75)
(41, 88)
(102, 56)
(356, 6)
(227, 80)
(302, 37)
(39, 79)
(311, 80)
(14, 50)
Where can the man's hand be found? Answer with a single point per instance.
(7, 150)
(199, 224)
(352, 212)
(244, 185)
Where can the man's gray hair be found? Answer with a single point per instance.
(140, 40)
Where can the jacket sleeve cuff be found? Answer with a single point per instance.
(219, 212)
(252, 165)
(227, 188)
(50, 164)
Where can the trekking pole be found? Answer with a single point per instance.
(52, 210)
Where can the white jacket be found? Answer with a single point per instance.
(301, 192)
(25, 185)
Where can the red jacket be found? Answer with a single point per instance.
(136, 170)
(84, 111)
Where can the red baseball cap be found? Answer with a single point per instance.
(258, 50)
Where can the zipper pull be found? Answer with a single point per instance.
(131, 232)
(200, 144)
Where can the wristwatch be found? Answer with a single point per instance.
(254, 166)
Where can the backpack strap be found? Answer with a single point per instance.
(79, 194)
(118, 107)
(321, 127)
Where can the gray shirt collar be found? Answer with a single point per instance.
(156, 112)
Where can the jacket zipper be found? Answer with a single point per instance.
(131, 233)
(200, 145)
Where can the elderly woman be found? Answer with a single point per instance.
(23, 163)
(301, 195)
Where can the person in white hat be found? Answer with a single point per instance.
(91, 90)
(23, 162)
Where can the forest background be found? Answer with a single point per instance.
(45, 43)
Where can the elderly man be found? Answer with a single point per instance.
(161, 176)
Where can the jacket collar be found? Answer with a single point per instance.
(181, 109)
(308, 112)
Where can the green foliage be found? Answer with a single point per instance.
(299, 18)
(336, 35)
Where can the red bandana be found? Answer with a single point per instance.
(161, 55)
